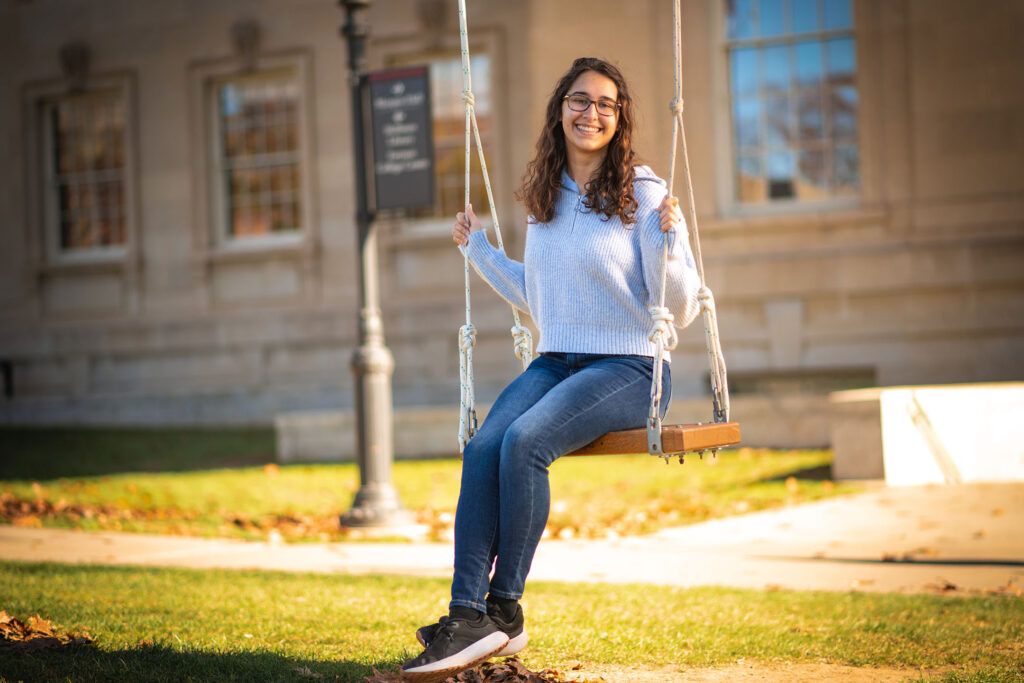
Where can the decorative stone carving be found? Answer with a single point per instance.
(245, 38)
(74, 62)
(433, 18)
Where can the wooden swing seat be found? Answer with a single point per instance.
(675, 439)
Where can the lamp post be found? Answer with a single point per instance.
(376, 504)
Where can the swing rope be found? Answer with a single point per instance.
(522, 339)
(716, 360)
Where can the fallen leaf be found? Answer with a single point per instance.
(306, 672)
(35, 633)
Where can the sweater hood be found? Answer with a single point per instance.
(644, 174)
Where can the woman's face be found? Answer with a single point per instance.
(589, 132)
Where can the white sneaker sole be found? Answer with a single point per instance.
(438, 671)
(514, 646)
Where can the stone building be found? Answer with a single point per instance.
(177, 196)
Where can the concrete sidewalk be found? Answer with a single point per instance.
(891, 539)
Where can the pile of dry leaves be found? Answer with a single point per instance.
(35, 633)
(510, 670)
(23, 512)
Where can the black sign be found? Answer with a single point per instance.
(403, 146)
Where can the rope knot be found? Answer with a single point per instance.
(706, 300)
(467, 337)
(662, 330)
(523, 340)
(467, 97)
(676, 106)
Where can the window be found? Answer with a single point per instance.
(84, 172)
(257, 154)
(793, 99)
(449, 114)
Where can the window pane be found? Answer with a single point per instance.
(847, 171)
(844, 113)
(812, 181)
(840, 59)
(805, 16)
(744, 71)
(838, 14)
(808, 63)
(778, 122)
(776, 75)
(747, 120)
(810, 117)
(781, 168)
(773, 19)
(739, 23)
(751, 181)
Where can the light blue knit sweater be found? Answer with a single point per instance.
(587, 281)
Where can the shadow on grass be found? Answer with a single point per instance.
(819, 473)
(88, 663)
(41, 453)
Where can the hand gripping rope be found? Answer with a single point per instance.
(522, 339)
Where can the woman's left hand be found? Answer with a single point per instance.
(671, 215)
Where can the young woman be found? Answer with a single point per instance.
(591, 270)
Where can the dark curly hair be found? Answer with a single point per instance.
(611, 191)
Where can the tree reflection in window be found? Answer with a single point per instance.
(793, 93)
(86, 140)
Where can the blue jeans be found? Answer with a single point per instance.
(561, 402)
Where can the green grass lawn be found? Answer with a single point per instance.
(173, 624)
(224, 483)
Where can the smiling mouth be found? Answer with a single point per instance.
(587, 130)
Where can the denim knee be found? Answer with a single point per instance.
(479, 461)
(523, 446)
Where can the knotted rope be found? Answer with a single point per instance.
(663, 335)
(522, 339)
(467, 413)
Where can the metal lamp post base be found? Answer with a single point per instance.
(376, 506)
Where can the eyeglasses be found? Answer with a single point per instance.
(582, 103)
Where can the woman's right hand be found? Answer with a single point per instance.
(465, 223)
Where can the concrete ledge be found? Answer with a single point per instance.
(929, 434)
(329, 436)
(428, 432)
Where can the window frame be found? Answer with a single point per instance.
(43, 210)
(212, 237)
(729, 203)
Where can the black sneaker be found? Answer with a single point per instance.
(456, 644)
(513, 628)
